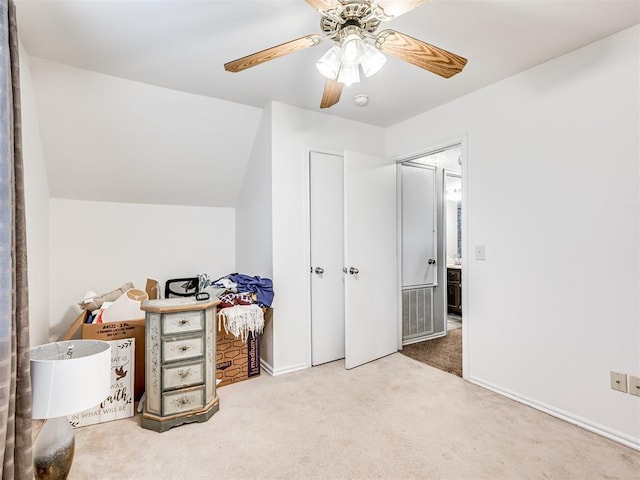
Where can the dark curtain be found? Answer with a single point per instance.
(15, 383)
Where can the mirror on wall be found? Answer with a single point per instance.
(453, 208)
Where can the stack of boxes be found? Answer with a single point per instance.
(236, 360)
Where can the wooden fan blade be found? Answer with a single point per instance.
(272, 53)
(395, 8)
(419, 53)
(331, 94)
(323, 5)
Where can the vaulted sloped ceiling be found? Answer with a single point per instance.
(109, 139)
(160, 101)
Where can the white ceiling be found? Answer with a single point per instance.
(182, 45)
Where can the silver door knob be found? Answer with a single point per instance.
(431, 261)
(319, 270)
(354, 271)
(344, 270)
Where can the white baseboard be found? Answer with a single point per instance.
(606, 432)
(281, 371)
(266, 367)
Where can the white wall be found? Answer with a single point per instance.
(36, 198)
(253, 209)
(553, 187)
(99, 246)
(294, 131)
(254, 246)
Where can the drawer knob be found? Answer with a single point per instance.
(184, 373)
(184, 348)
(183, 322)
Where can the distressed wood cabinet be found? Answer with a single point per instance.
(180, 378)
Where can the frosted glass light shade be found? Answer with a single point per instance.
(349, 74)
(353, 48)
(63, 383)
(372, 61)
(329, 63)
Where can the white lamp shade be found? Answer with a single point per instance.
(372, 61)
(329, 63)
(63, 384)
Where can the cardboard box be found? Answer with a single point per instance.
(118, 331)
(119, 404)
(237, 360)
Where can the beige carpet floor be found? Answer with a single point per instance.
(444, 353)
(394, 418)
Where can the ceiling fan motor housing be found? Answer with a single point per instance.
(350, 14)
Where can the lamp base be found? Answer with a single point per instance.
(53, 450)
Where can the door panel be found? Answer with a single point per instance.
(419, 250)
(418, 225)
(371, 313)
(327, 254)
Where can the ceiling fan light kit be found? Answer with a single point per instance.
(329, 63)
(349, 74)
(350, 23)
(372, 61)
(345, 61)
(353, 46)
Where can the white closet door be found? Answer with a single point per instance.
(327, 257)
(371, 329)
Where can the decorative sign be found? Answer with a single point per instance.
(120, 403)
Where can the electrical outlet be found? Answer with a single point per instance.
(619, 381)
(480, 252)
(634, 385)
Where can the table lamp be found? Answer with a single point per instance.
(66, 377)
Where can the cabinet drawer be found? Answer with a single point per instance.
(181, 348)
(183, 322)
(184, 400)
(454, 274)
(182, 375)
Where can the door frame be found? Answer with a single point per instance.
(462, 142)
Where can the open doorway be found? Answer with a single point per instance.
(431, 245)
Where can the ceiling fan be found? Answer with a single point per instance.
(350, 23)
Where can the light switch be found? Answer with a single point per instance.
(480, 252)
